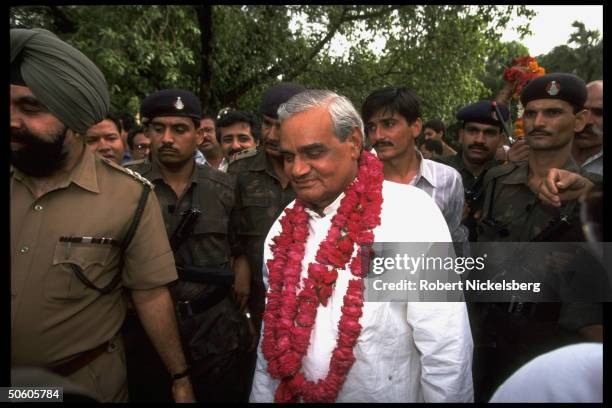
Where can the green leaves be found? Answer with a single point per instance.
(442, 52)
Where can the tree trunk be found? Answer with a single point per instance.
(205, 21)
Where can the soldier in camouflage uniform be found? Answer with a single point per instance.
(262, 192)
(509, 334)
(213, 329)
(480, 135)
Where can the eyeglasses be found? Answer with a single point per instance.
(142, 146)
(595, 111)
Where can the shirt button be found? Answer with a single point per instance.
(38, 207)
(24, 249)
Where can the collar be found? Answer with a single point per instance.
(521, 174)
(424, 171)
(84, 174)
(330, 209)
(156, 175)
(593, 158)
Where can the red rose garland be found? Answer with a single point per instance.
(289, 317)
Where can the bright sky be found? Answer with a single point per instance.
(552, 26)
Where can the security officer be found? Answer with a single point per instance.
(262, 192)
(512, 333)
(480, 135)
(196, 202)
(73, 250)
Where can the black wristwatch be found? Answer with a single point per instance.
(178, 376)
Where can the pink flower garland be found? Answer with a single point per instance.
(289, 317)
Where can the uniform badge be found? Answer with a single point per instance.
(553, 88)
(179, 104)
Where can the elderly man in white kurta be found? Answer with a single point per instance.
(403, 352)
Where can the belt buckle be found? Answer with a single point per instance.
(184, 309)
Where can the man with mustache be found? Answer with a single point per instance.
(72, 252)
(196, 202)
(262, 191)
(316, 351)
(587, 148)
(209, 151)
(515, 210)
(238, 134)
(480, 136)
(392, 123)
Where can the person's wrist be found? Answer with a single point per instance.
(181, 375)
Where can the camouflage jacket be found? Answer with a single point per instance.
(260, 198)
(211, 243)
(511, 212)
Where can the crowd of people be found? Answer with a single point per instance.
(217, 257)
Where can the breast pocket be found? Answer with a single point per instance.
(255, 215)
(91, 260)
(209, 244)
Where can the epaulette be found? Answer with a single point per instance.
(501, 170)
(243, 154)
(207, 172)
(135, 162)
(135, 175)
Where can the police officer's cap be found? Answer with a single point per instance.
(567, 87)
(170, 102)
(483, 112)
(277, 95)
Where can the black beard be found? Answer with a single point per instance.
(37, 157)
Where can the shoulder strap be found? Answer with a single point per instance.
(123, 246)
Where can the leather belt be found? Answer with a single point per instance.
(188, 308)
(81, 360)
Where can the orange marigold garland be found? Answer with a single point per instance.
(521, 70)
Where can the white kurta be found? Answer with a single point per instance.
(407, 352)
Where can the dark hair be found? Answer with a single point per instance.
(209, 115)
(393, 100)
(436, 124)
(233, 117)
(130, 137)
(433, 146)
(127, 121)
(116, 119)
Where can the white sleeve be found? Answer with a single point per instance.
(441, 332)
(264, 386)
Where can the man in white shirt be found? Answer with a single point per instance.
(392, 123)
(209, 151)
(405, 352)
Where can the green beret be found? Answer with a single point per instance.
(483, 112)
(566, 87)
(62, 77)
(170, 102)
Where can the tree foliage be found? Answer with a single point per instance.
(584, 59)
(442, 52)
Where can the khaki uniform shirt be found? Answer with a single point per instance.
(211, 244)
(53, 314)
(260, 198)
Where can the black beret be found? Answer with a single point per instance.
(566, 87)
(277, 95)
(483, 112)
(170, 102)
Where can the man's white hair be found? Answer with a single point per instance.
(343, 114)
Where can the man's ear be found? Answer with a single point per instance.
(356, 141)
(416, 127)
(582, 118)
(199, 136)
(460, 135)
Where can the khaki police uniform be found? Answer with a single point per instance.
(54, 315)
